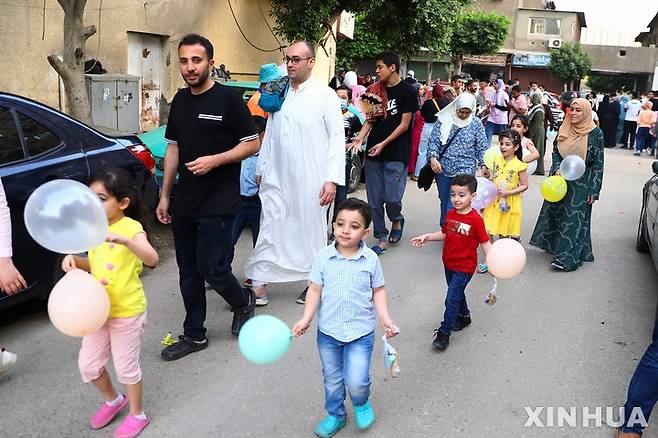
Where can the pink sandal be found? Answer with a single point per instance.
(106, 413)
(131, 426)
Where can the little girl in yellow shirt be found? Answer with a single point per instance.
(117, 264)
(503, 217)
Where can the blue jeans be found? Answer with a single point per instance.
(493, 128)
(642, 138)
(345, 364)
(455, 299)
(643, 389)
(249, 215)
(204, 251)
(385, 184)
(443, 186)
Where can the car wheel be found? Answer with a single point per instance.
(641, 243)
(355, 174)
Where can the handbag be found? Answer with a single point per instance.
(273, 94)
(426, 174)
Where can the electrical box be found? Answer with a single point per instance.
(114, 101)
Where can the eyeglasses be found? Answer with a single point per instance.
(296, 59)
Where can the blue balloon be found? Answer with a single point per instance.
(264, 339)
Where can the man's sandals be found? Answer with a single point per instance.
(396, 235)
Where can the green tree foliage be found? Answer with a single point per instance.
(569, 63)
(610, 84)
(477, 33)
(402, 26)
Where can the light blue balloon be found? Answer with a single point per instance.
(264, 339)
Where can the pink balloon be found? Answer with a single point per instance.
(78, 304)
(506, 258)
(486, 193)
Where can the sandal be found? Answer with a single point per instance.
(482, 268)
(396, 235)
(378, 250)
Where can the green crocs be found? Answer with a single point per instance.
(329, 426)
(364, 415)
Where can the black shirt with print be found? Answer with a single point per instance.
(401, 99)
(209, 123)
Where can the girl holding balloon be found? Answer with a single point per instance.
(530, 155)
(117, 264)
(564, 224)
(503, 217)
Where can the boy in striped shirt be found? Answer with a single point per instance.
(346, 288)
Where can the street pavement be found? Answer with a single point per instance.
(553, 339)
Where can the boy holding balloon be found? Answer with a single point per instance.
(462, 233)
(346, 288)
(117, 264)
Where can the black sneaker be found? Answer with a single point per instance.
(301, 299)
(441, 340)
(462, 322)
(244, 314)
(182, 348)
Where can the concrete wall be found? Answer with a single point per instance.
(570, 29)
(27, 72)
(636, 60)
(508, 8)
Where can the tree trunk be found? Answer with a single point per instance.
(430, 59)
(71, 66)
(458, 62)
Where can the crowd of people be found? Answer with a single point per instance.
(277, 163)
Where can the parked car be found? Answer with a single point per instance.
(39, 144)
(647, 231)
(155, 141)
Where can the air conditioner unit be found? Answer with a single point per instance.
(554, 43)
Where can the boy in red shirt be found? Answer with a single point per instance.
(462, 232)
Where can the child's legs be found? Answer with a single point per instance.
(92, 359)
(126, 337)
(331, 355)
(358, 354)
(252, 210)
(457, 282)
(239, 224)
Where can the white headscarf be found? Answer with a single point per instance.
(350, 78)
(448, 115)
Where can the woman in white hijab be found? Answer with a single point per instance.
(457, 144)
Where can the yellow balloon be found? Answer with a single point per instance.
(490, 156)
(554, 188)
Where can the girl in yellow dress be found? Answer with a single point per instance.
(503, 217)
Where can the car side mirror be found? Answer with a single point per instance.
(654, 166)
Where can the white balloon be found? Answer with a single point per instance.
(486, 193)
(532, 166)
(572, 167)
(66, 216)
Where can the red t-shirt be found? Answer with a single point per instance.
(464, 233)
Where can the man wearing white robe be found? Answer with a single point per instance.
(301, 161)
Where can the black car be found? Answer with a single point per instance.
(39, 144)
(647, 233)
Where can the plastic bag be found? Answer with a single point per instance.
(491, 296)
(391, 359)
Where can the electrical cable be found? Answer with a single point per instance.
(245, 37)
(262, 14)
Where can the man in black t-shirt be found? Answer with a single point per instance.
(388, 151)
(210, 131)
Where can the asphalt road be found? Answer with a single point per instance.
(553, 340)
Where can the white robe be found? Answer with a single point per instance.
(304, 147)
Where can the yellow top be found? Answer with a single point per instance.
(118, 269)
(506, 177)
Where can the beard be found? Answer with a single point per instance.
(201, 78)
